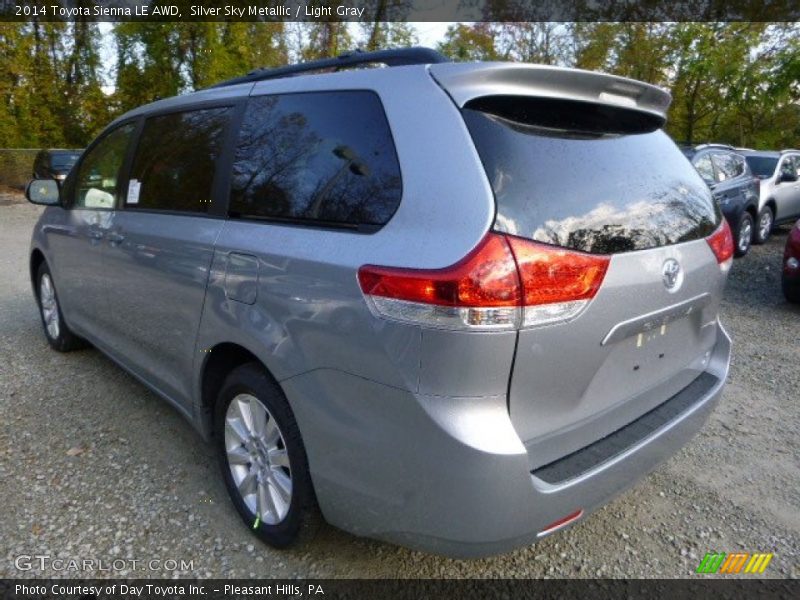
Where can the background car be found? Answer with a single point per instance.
(54, 164)
(780, 190)
(791, 266)
(734, 187)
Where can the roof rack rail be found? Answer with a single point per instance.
(714, 145)
(391, 58)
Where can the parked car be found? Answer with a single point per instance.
(54, 164)
(791, 266)
(734, 187)
(780, 189)
(460, 329)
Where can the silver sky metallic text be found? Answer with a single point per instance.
(239, 11)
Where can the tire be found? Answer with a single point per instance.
(791, 291)
(58, 334)
(744, 235)
(264, 507)
(763, 228)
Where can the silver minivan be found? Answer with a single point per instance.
(457, 306)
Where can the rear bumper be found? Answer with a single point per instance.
(450, 475)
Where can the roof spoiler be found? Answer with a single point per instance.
(467, 81)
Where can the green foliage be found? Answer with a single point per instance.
(50, 84)
(469, 42)
(731, 82)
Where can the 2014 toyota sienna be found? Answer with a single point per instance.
(454, 306)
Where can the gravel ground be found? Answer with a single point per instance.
(93, 465)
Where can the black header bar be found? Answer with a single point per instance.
(400, 10)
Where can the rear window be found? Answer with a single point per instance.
(588, 190)
(762, 166)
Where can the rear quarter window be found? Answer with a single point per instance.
(592, 191)
(324, 158)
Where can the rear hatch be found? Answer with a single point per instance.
(577, 160)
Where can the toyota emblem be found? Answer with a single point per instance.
(672, 275)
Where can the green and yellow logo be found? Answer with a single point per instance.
(736, 562)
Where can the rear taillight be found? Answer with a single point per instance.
(481, 291)
(504, 283)
(721, 242)
(557, 284)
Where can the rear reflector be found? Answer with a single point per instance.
(721, 243)
(556, 525)
(506, 282)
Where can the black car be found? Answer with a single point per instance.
(54, 164)
(735, 188)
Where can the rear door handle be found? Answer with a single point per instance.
(115, 238)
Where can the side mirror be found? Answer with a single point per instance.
(786, 177)
(43, 191)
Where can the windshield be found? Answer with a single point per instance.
(597, 193)
(64, 160)
(762, 166)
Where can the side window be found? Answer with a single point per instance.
(175, 161)
(788, 167)
(325, 157)
(98, 175)
(705, 168)
(725, 164)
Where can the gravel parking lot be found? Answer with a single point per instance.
(93, 465)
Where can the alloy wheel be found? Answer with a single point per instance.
(745, 236)
(765, 224)
(49, 304)
(258, 459)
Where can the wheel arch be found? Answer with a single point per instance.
(36, 260)
(219, 361)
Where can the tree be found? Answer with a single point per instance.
(708, 62)
(535, 42)
(387, 30)
(731, 82)
(157, 60)
(470, 42)
(325, 39)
